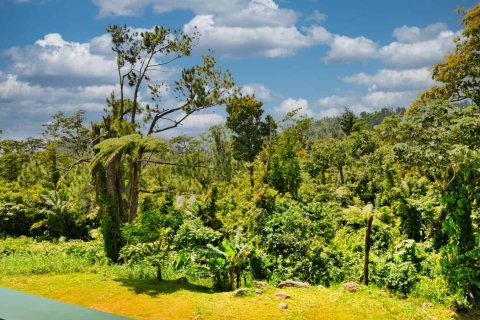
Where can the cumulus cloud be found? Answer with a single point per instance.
(52, 60)
(386, 99)
(400, 55)
(346, 49)
(26, 106)
(12, 89)
(101, 45)
(57, 62)
(261, 92)
(407, 34)
(331, 106)
(55, 75)
(136, 7)
(238, 28)
(258, 13)
(291, 104)
(234, 28)
(334, 105)
(335, 102)
(201, 120)
(268, 41)
(394, 80)
(415, 47)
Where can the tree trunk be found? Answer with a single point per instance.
(232, 278)
(113, 210)
(269, 157)
(322, 176)
(108, 190)
(239, 281)
(110, 213)
(367, 249)
(340, 174)
(250, 172)
(134, 187)
(159, 272)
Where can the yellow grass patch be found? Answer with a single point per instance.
(149, 299)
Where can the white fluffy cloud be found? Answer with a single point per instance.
(55, 75)
(335, 101)
(57, 62)
(291, 104)
(258, 13)
(24, 106)
(330, 106)
(406, 72)
(249, 13)
(407, 34)
(12, 89)
(334, 105)
(261, 92)
(268, 41)
(387, 99)
(394, 80)
(346, 49)
(217, 7)
(234, 28)
(201, 121)
(415, 47)
(238, 28)
(54, 60)
(405, 55)
(136, 7)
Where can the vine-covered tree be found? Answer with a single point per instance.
(121, 144)
(441, 140)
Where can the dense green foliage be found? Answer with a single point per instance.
(257, 199)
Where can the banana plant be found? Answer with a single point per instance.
(230, 257)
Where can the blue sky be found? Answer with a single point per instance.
(320, 55)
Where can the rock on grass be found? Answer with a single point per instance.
(259, 284)
(282, 295)
(292, 283)
(240, 292)
(351, 286)
(283, 305)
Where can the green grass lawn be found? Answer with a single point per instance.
(149, 299)
(77, 272)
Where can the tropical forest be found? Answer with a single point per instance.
(358, 215)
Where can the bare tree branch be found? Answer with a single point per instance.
(76, 163)
(173, 164)
(154, 191)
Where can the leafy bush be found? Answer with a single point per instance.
(399, 270)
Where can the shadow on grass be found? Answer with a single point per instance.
(153, 287)
(471, 315)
